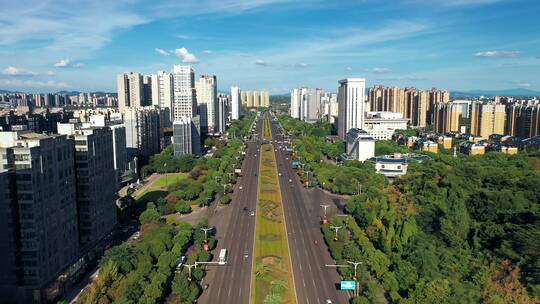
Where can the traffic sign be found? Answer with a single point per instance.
(348, 285)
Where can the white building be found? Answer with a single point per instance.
(395, 164)
(162, 95)
(142, 131)
(184, 96)
(206, 89)
(351, 99)
(360, 145)
(382, 125)
(116, 124)
(130, 91)
(236, 107)
(295, 103)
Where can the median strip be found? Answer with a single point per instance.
(272, 272)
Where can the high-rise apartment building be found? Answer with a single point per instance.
(38, 215)
(416, 105)
(116, 124)
(184, 102)
(95, 176)
(142, 131)
(130, 90)
(487, 119)
(296, 98)
(147, 90)
(206, 88)
(186, 136)
(265, 99)
(222, 113)
(351, 99)
(523, 120)
(236, 106)
(162, 96)
(450, 117)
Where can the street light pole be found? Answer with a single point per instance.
(206, 232)
(189, 269)
(336, 228)
(355, 264)
(325, 207)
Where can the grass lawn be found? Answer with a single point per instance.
(159, 187)
(272, 272)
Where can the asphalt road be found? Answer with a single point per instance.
(230, 284)
(314, 283)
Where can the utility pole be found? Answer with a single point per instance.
(336, 228)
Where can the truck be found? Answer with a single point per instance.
(295, 164)
(222, 256)
(238, 171)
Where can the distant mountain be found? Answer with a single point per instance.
(5, 91)
(508, 92)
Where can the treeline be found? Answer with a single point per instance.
(453, 230)
(140, 272)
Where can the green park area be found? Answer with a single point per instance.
(159, 187)
(272, 272)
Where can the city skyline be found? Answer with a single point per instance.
(272, 44)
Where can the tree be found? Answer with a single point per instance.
(225, 199)
(150, 214)
(182, 207)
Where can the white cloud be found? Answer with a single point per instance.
(185, 37)
(301, 65)
(66, 63)
(261, 62)
(378, 70)
(51, 73)
(207, 52)
(18, 83)
(498, 54)
(63, 63)
(348, 68)
(186, 56)
(161, 52)
(14, 71)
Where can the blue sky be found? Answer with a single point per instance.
(272, 44)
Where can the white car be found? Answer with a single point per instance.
(290, 180)
(240, 187)
(252, 213)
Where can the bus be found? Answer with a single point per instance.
(223, 256)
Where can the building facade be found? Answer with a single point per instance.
(206, 88)
(236, 106)
(95, 176)
(130, 90)
(351, 99)
(39, 237)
